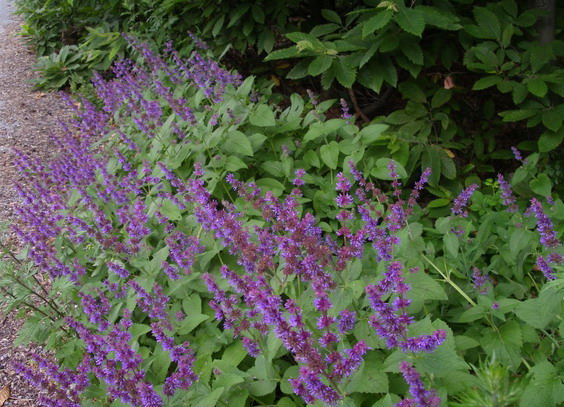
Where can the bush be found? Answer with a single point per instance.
(206, 248)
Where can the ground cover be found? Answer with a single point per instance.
(208, 248)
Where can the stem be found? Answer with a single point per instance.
(357, 109)
(448, 280)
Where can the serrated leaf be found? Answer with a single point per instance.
(411, 21)
(263, 116)
(549, 140)
(282, 54)
(369, 378)
(345, 74)
(376, 22)
(319, 65)
(486, 82)
(331, 15)
(516, 115)
(552, 119)
(209, 400)
(238, 143)
(412, 51)
(488, 23)
(549, 301)
(329, 154)
(537, 87)
(541, 185)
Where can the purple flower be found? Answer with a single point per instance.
(543, 266)
(479, 280)
(346, 321)
(345, 112)
(421, 396)
(544, 225)
(507, 194)
(460, 202)
(298, 181)
(518, 155)
(251, 346)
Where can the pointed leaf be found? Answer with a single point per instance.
(411, 20)
(376, 22)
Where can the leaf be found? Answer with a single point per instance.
(488, 23)
(369, 378)
(537, 87)
(411, 20)
(238, 143)
(4, 394)
(516, 115)
(548, 141)
(549, 301)
(441, 97)
(486, 82)
(376, 22)
(505, 343)
(552, 119)
(541, 185)
(263, 116)
(282, 54)
(331, 16)
(381, 170)
(329, 154)
(412, 51)
(319, 65)
(345, 74)
(451, 243)
(209, 400)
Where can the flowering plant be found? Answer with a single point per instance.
(181, 275)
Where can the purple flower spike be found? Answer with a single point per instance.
(506, 194)
(421, 396)
(518, 155)
(461, 201)
(544, 226)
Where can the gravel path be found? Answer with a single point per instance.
(27, 118)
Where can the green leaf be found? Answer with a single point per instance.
(541, 311)
(541, 185)
(319, 65)
(381, 170)
(412, 51)
(452, 244)
(537, 87)
(331, 16)
(376, 22)
(238, 143)
(516, 115)
(345, 74)
(540, 55)
(369, 378)
(488, 23)
(441, 97)
(411, 21)
(209, 400)
(486, 82)
(170, 210)
(329, 154)
(552, 119)
(263, 116)
(285, 53)
(505, 343)
(424, 287)
(549, 140)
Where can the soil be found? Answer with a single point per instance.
(27, 119)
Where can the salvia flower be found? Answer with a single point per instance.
(421, 396)
(507, 194)
(518, 155)
(544, 226)
(461, 201)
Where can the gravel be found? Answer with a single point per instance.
(27, 119)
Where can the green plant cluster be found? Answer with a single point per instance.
(499, 350)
